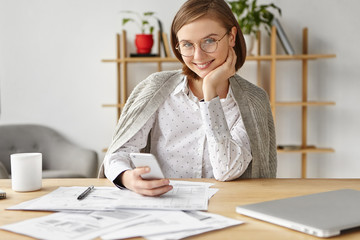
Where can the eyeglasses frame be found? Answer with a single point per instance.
(217, 43)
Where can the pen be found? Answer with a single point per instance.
(85, 193)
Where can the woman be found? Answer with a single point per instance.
(202, 122)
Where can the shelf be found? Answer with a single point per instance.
(291, 57)
(307, 150)
(311, 103)
(119, 105)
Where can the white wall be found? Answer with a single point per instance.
(51, 72)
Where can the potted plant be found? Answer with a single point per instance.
(251, 17)
(145, 40)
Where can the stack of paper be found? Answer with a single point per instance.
(117, 214)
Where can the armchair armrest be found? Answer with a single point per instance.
(3, 172)
(67, 156)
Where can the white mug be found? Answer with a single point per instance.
(26, 171)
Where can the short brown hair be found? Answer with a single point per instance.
(192, 10)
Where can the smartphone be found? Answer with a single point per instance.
(147, 159)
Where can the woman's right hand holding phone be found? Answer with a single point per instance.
(131, 179)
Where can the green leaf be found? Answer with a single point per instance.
(126, 20)
(149, 13)
(251, 16)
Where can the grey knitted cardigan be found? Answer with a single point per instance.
(253, 103)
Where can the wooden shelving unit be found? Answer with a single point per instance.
(304, 103)
(122, 60)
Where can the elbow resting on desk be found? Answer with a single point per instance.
(230, 174)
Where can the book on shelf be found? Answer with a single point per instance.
(161, 38)
(283, 38)
(166, 45)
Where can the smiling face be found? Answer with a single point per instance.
(205, 30)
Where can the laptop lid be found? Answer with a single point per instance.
(321, 214)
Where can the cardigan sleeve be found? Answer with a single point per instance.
(272, 146)
(255, 108)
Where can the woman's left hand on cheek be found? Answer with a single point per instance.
(218, 77)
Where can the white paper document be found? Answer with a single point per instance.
(183, 196)
(210, 220)
(73, 226)
(177, 225)
(158, 222)
(151, 224)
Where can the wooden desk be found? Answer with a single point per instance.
(224, 202)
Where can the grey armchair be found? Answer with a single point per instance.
(61, 158)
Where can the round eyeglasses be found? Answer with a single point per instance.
(208, 45)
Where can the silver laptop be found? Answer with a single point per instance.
(323, 214)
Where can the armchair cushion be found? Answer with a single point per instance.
(61, 158)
